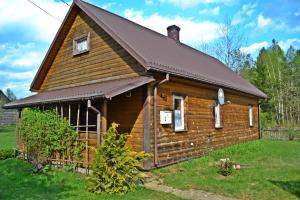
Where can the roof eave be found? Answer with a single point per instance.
(206, 81)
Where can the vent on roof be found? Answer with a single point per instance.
(173, 32)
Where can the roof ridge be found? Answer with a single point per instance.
(123, 18)
(153, 31)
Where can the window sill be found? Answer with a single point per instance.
(220, 127)
(180, 130)
(81, 52)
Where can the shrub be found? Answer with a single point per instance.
(225, 166)
(115, 166)
(7, 153)
(46, 135)
(292, 133)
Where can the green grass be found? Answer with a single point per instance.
(270, 170)
(8, 137)
(17, 181)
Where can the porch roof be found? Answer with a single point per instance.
(107, 89)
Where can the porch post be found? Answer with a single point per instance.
(62, 111)
(18, 123)
(87, 139)
(69, 114)
(147, 127)
(103, 118)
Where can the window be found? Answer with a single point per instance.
(217, 113)
(250, 115)
(81, 44)
(179, 113)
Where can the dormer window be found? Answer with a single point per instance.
(81, 44)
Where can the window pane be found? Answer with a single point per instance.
(250, 116)
(82, 45)
(179, 113)
(217, 116)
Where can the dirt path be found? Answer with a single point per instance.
(186, 194)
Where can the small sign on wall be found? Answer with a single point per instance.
(165, 117)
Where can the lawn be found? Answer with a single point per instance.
(17, 181)
(7, 137)
(270, 170)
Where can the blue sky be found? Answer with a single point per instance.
(26, 32)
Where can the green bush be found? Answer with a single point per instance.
(115, 166)
(292, 133)
(46, 135)
(7, 153)
(225, 166)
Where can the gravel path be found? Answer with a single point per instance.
(186, 194)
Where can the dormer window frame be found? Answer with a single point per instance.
(79, 39)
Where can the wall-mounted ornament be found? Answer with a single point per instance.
(221, 96)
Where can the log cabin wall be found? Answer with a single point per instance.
(105, 60)
(201, 136)
(127, 110)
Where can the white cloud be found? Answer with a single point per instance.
(20, 88)
(149, 2)
(192, 32)
(17, 75)
(282, 26)
(108, 5)
(28, 59)
(254, 48)
(2, 46)
(263, 22)
(20, 55)
(285, 44)
(190, 3)
(39, 25)
(212, 11)
(250, 25)
(246, 11)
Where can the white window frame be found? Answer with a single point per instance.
(79, 39)
(179, 128)
(217, 117)
(251, 124)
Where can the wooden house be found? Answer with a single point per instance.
(7, 117)
(175, 101)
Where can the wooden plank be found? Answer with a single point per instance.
(201, 136)
(106, 60)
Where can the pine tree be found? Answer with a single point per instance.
(115, 166)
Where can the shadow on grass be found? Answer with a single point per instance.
(17, 182)
(292, 187)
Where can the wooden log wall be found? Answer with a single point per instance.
(129, 113)
(106, 59)
(201, 136)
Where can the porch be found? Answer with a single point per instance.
(91, 109)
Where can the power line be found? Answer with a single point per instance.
(45, 11)
(64, 2)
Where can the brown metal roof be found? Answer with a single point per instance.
(158, 52)
(107, 89)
